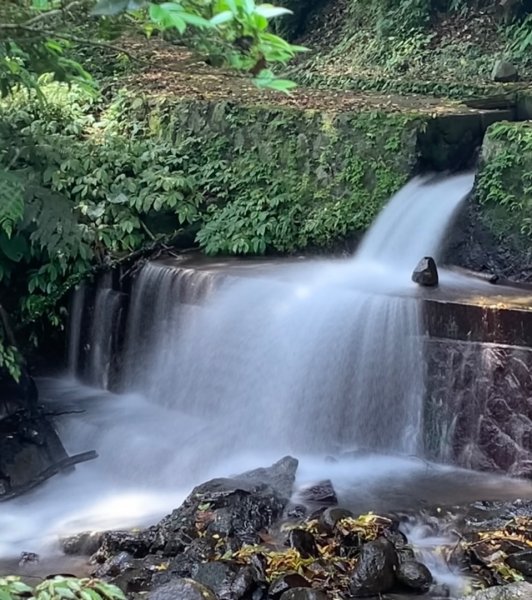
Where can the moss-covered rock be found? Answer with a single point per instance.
(498, 225)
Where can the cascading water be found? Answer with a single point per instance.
(226, 373)
(330, 347)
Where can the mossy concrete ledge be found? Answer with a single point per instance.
(282, 177)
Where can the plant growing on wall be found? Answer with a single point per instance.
(59, 214)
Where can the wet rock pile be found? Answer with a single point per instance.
(240, 538)
(498, 545)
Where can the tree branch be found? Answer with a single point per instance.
(52, 13)
(67, 37)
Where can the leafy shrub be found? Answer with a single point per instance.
(505, 181)
(59, 588)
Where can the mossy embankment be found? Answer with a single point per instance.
(250, 173)
(496, 227)
(436, 47)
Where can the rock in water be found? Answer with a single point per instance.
(280, 476)
(332, 515)
(513, 591)
(304, 594)
(82, 544)
(426, 272)
(504, 72)
(234, 509)
(522, 562)
(375, 571)
(321, 493)
(182, 589)
(303, 541)
(287, 582)
(414, 575)
(227, 581)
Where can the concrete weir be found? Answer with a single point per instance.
(477, 355)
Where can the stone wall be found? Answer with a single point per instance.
(479, 405)
(285, 178)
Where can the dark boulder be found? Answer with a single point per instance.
(397, 538)
(82, 544)
(522, 562)
(426, 272)
(504, 72)
(287, 582)
(375, 571)
(182, 589)
(304, 594)
(296, 511)
(226, 580)
(330, 517)
(321, 493)
(137, 544)
(219, 516)
(280, 476)
(136, 574)
(414, 575)
(115, 566)
(303, 541)
(234, 510)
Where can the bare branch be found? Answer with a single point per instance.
(52, 13)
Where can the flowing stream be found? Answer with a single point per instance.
(222, 373)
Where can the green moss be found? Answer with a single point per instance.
(278, 179)
(504, 189)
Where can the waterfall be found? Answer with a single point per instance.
(313, 357)
(227, 368)
(74, 329)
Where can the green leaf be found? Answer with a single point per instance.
(15, 248)
(249, 6)
(221, 18)
(279, 85)
(196, 20)
(269, 11)
(168, 16)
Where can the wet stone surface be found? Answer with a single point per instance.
(480, 406)
(254, 552)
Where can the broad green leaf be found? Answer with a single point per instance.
(269, 11)
(196, 20)
(279, 85)
(168, 15)
(223, 17)
(249, 6)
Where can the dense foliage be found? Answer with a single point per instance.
(505, 182)
(438, 47)
(60, 212)
(59, 588)
(36, 36)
